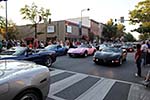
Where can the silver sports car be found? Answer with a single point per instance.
(22, 80)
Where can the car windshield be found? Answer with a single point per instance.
(51, 47)
(15, 51)
(111, 50)
(82, 46)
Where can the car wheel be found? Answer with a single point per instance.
(70, 55)
(96, 62)
(28, 95)
(85, 54)
(93, 52)
(65, 52)
(48, 62)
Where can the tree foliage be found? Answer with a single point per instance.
(141, 16)
(12, 31)
(112, 30)
(129, 37)
(144, 36)
(11, 26)
(34, 14)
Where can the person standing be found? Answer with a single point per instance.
(35, 43)
(148, 54)
(138, 60)
(144, 49)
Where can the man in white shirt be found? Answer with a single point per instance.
(144, 49)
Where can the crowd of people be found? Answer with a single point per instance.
(35, 44)
(142, 58)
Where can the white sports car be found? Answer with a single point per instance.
(22, 80)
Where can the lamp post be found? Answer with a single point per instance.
(80, 30)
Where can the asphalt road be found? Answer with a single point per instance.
(125, 72)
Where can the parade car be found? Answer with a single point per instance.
(24, 53)
(23, 80)
(82, 50)
(110, 56)
(60, 50)
(129, 48)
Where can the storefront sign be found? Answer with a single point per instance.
(69, 29)
(50, 29)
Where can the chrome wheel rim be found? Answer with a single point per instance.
(29, 97)
(49, 62)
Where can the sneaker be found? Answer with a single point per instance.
(146, 82)
(137, 75)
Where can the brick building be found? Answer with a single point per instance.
(62, 30)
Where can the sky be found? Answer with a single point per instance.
(100, 10)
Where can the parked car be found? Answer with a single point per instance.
(23, 53)
(129, 48)
(23, 80)
(110, 56)
(60, 50)
(82, 50)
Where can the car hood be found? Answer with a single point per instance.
(11, 67)
(6, 56)
(76, 50)
(106, 54)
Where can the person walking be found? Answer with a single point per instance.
(138, 60)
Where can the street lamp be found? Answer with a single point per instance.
(80, 30)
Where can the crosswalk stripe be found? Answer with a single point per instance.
(57, 98)
(98, 91)
(138, 92)
(62, 84)
(55, 72)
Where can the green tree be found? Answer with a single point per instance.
(120, 30)
(34, 14)
(129, 37)
(141, 16)
(112, 30)
(12, 31)
(109, 30)
(144, 36)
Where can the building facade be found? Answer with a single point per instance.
(62, 30)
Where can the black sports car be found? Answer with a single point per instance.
(24, 53)
(110, 56)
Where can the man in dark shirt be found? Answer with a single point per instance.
(138, 60)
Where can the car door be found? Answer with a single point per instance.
(90, 49)
(32, 56)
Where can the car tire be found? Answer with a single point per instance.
(28, 95)
(65, 53)
(48, 62)
(70, 55)
(85, 54)
(93, 52)
(96, 62)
